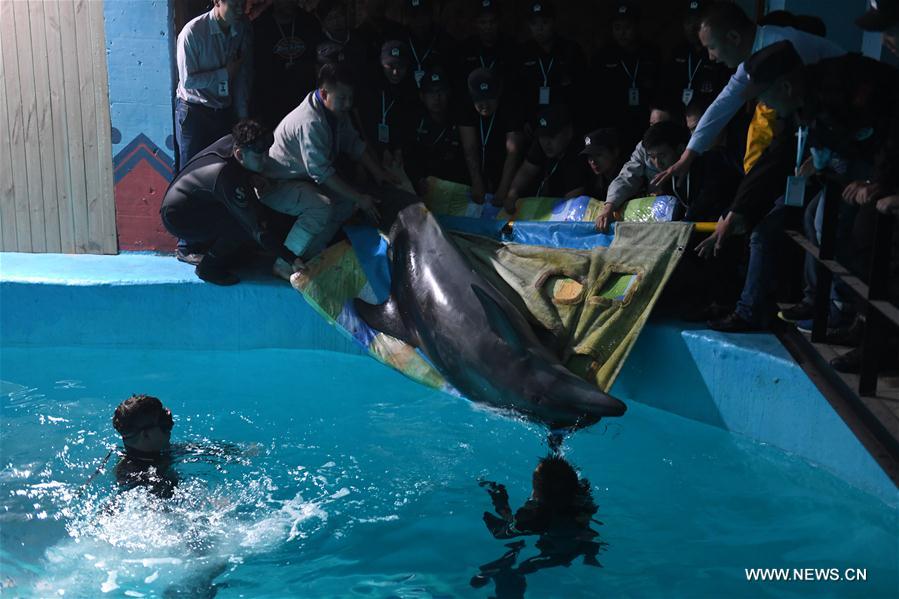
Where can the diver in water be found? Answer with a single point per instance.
(146, 428)
(560, 510)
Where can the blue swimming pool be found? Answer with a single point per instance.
(337, 477)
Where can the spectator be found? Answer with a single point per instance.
(624, 76)
(603, 153)
(375, 29)
(284, 42)
(338, 43)
(428, 43)
(492, 137)
(553, 167)
(437, 149)
(213, 202)
(487, 48)
(551, 66)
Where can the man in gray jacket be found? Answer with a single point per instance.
(303, 161)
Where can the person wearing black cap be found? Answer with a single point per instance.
(883, 15)
(553, 167)
(487, 48)
(284, 60)
(624, 76)
(214, 201)
(375, 29)
(602, 150)
(845, 106)
(437, 149)
(338, 42)
(388, 104)
(552, 67)
(691, 73)
(492, 136)
(429, 44)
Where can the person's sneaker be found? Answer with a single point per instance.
(733, 323)
(188, 257)
(805, 326)
(211, 271)
(796, 313)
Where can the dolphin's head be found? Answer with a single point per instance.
(565, 400)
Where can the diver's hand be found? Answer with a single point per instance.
(678, 168)
(605, 217)
(366, 203)
(495, 490)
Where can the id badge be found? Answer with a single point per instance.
(383, 133)
(419, 75)
(633, 96)
(795, 194)
(223, 88)
(543, 98)
(687, 96)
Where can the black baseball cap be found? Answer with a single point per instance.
(881, 15)
(768, 65)
(541, 9)
(416, 5)
(435, 80)
(596, 141)
(695, 7)
(487, 7)
(484, 84)
(552, 119)
(394, 51)
(626, 10)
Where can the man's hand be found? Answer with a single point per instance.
(889, 205)
(726, 226)
(299, 266)
(860, 192)
(367, 203)
(478, 191)
(233, 66)
(509, 203)
(678, 168)
(605, 217)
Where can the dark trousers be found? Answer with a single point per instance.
(209, 226)
(197, 127)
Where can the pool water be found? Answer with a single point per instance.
(337, 477)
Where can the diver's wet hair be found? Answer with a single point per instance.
(252, 135)
(137, 407)
(560, 495)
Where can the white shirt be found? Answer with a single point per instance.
(203, 53)
(811, 49)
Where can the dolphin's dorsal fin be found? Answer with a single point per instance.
(386, 319)
(499, 320)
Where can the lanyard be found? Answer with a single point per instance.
(633, 77)
(485, 138)
(384, 108)
(421, 129)
(691, 72)
(549, 176)
(801, 137)
(546, 71)
(484, 65)
(293, 27)
(415, 54)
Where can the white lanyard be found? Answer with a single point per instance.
(691, 72)
(421, 127)
(633, 77)
(415, 54)
(485, 138)
(293, 27)
(801, 137)
(546, 71)
(484, 65)
(384, 108)
(549, 176)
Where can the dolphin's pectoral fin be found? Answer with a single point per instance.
(386, 319)
(499, 320)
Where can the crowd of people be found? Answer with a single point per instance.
(289, 124)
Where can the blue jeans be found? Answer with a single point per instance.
(756, 300)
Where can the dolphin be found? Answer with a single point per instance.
(472, 334)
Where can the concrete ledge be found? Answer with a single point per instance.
(746, 384)
(751, 386)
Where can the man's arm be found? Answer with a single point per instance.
(719, 114)
(525, 176)
(514, 143)
(472, 151)
(189, 73)
(631, 179)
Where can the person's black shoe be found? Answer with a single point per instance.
(850, 336)
(188, 258)
(848, 363)
(211, 271)
(733, 323)
(797, 312)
